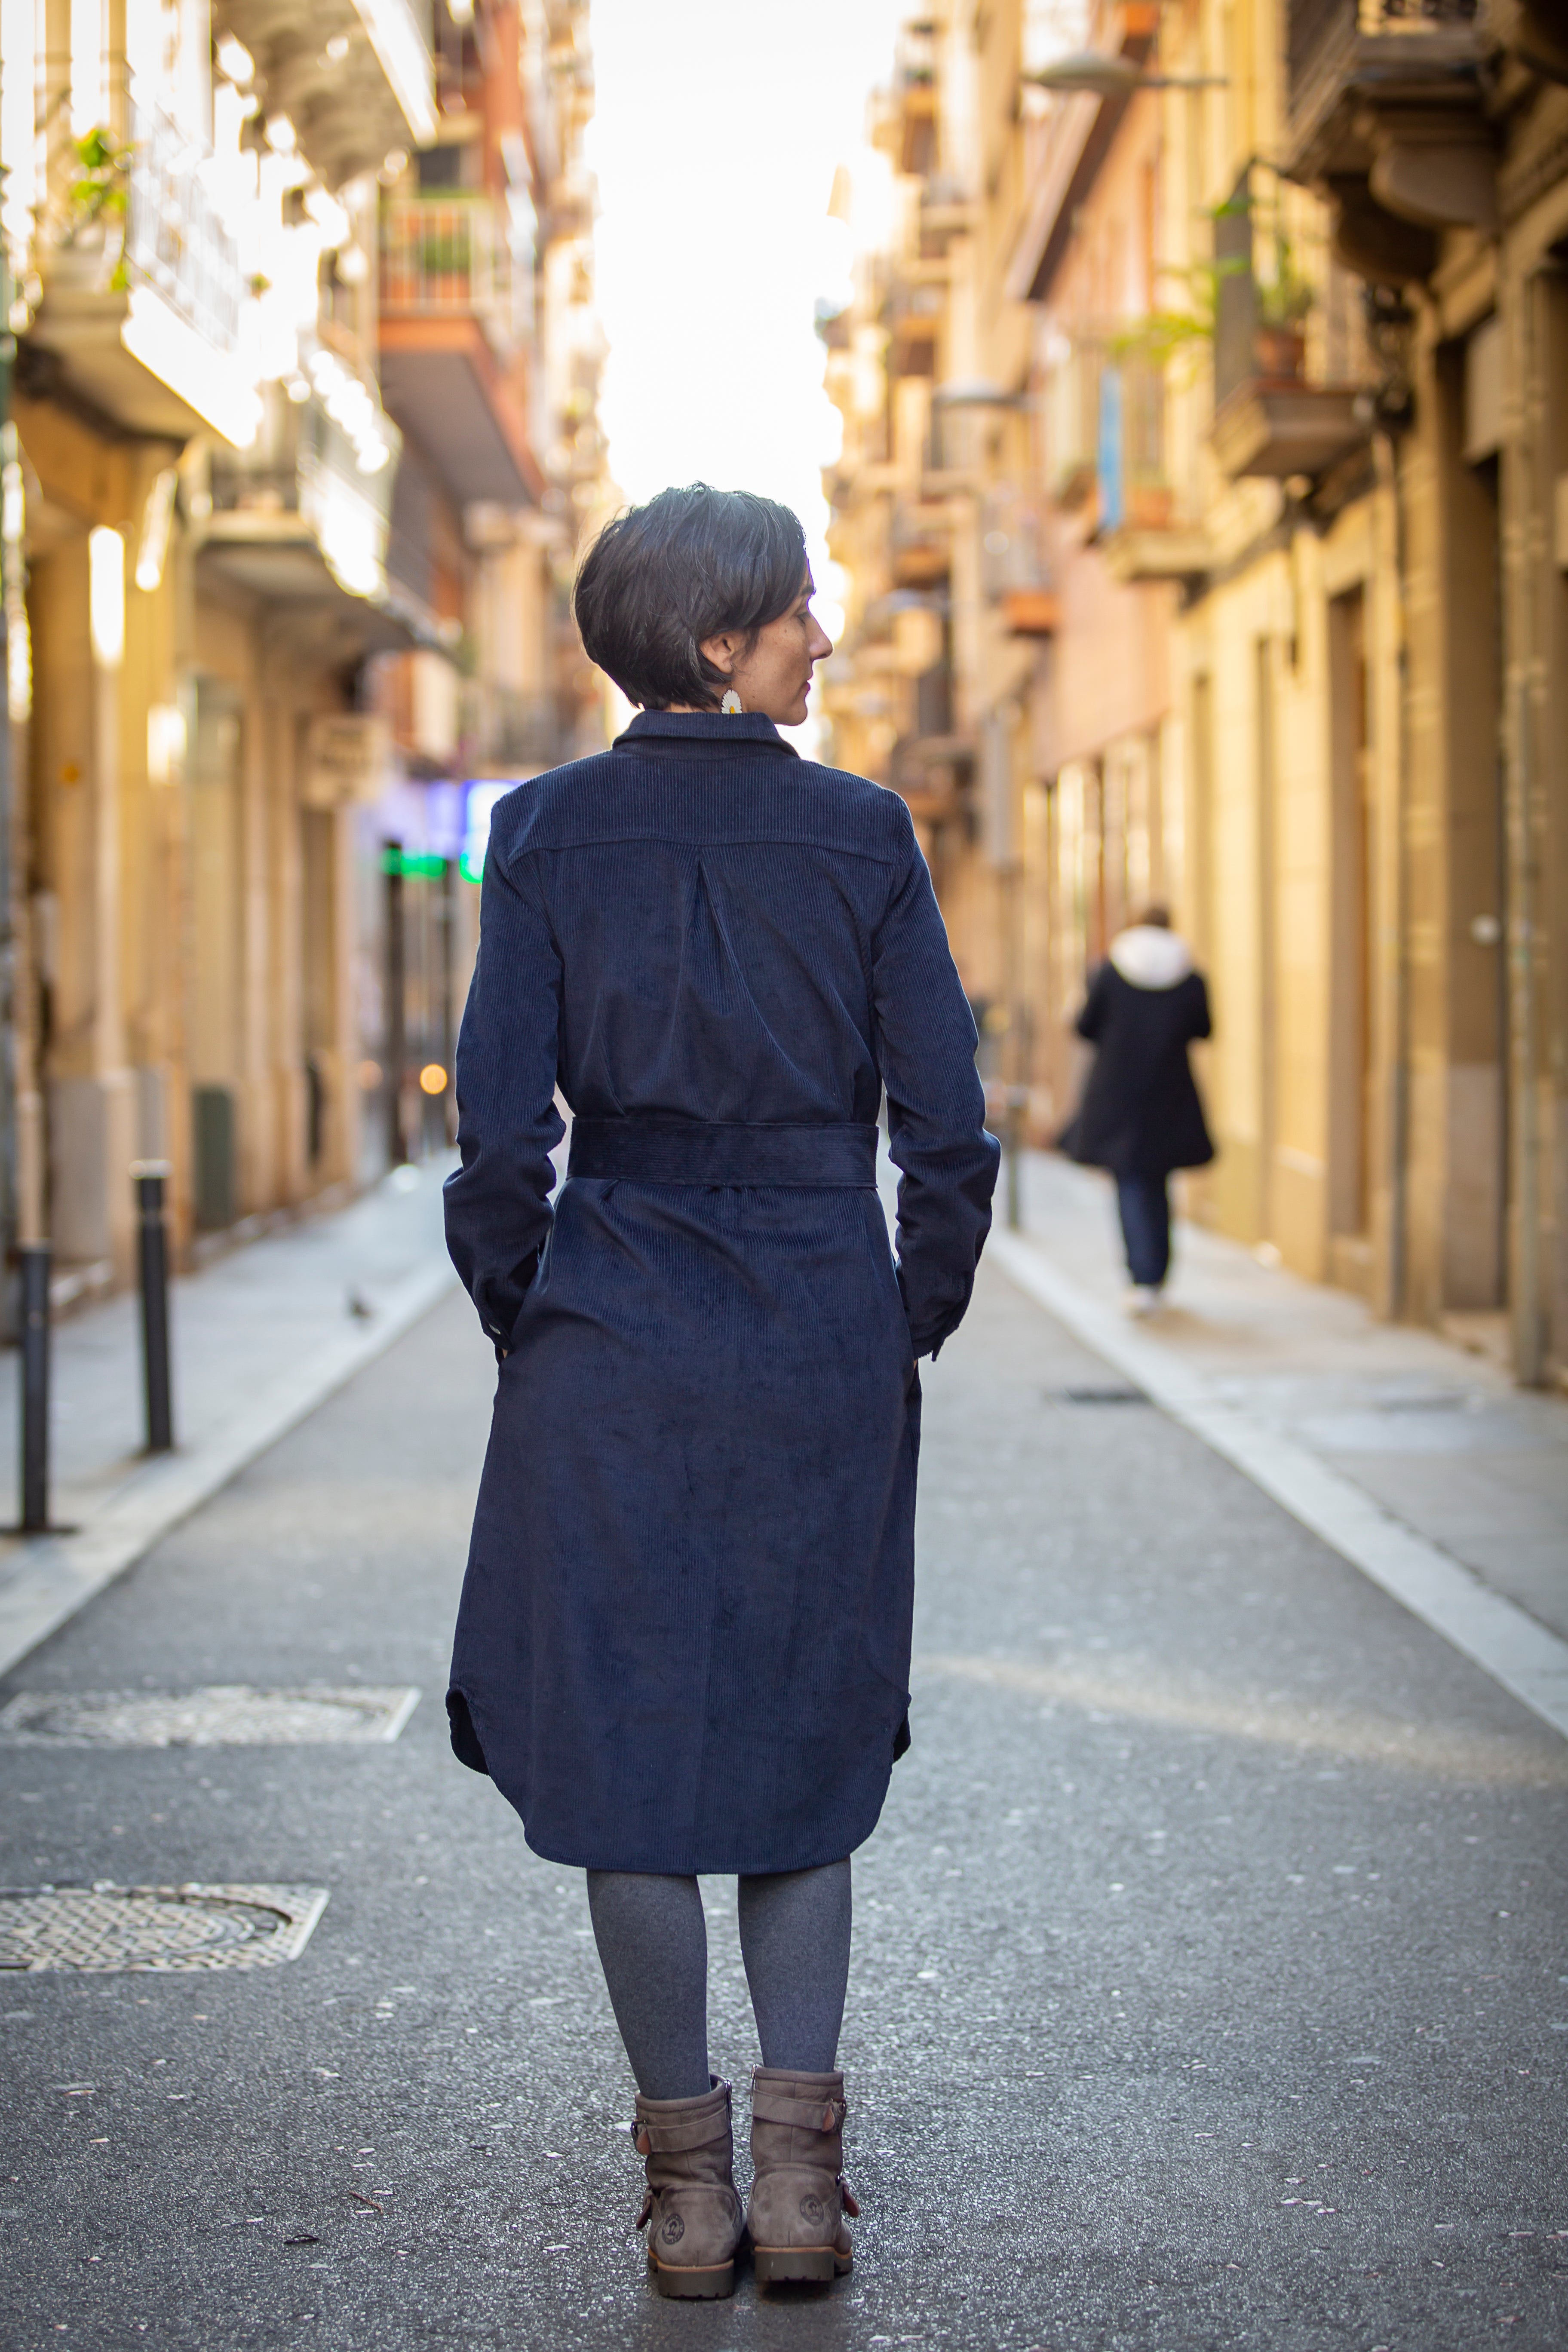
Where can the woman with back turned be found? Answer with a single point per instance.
(1141, 1117)
(684, 1638)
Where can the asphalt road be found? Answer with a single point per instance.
(1211, 1981)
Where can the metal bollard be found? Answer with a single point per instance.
(149, 1176)
(1017, 1103)
(33, 1259)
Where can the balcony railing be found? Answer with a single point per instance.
(523, 730)
(320, 471)
(1318, 26)
(448, 255)
(1395, 46)
(1129, 462)
(1071, 411)
(175, 239)
(1015, 571)
(128, 200)
(920, 542)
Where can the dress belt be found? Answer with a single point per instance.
(696, 1151)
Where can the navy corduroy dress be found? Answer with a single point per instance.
(684, 1637)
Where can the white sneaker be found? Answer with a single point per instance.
(1142, 1300)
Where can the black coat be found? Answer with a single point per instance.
(1141, 1115)
(684, 1640)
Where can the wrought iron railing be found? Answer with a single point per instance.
(1132, 475)
(1318, 28)
(175, 241)
(442, 254)
(1013, 557)
(525, 730)
(126, 194)
(303, 462)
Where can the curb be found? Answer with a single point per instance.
(54, 1576)
(1524, 1656)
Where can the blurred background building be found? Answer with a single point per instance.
(300, 436)
(1204, 505)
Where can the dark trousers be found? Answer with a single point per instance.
(1145, 1207)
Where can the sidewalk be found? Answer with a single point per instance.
(1305, 1390)
(259, 1338)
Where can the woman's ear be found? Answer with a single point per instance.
(721, 651)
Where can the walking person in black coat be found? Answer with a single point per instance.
(1140, 1116)
(683, 1644)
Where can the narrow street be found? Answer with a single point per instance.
(1209, 1986)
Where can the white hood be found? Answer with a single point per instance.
(1150, 956)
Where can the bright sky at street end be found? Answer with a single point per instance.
(717, 129)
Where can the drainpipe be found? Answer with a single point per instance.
(1529, 1340)
(1396, 1295)
(1524, 1285)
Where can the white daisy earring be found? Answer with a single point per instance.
(731, 706)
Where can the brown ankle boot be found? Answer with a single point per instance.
(692, 2204)
(799, 2196)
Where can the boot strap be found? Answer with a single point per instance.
(804, 2111)
(654, 2137)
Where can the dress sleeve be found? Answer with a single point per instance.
(498, 1201)
(936, 1108)
(1203, 1026)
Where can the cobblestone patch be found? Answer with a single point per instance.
(225, 1714)
(102, 1928)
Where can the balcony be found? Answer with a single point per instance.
(142, 300)
(1385, 117)
(301, 519)
(1277, 428)
(1071, 411)
(1015, 576)
(1270, 422)
(454, 312)
(915, 96)
(1142, 534)
(914, 321)
(449, 255)
(355, 78)
(920, 542)
(525, 730)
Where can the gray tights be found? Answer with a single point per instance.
(653, 1945)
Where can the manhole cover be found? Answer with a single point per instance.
(106, 1927)
(224, 1716)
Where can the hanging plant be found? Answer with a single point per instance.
(1159, 334)
(1286, 299)
(100, 196)
(104, 165)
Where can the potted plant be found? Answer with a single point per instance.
(445, 262)
(1284, 302)
(98, 206)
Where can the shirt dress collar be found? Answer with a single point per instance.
(714, 729)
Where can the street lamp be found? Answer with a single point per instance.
(1102, 75)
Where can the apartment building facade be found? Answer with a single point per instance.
(301, 422)
(1274, 368)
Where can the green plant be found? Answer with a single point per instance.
(104, 163)
(445, 256)
(1159, 334)
(1285, 298)
(99, 195)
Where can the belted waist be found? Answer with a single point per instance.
(697, 1151)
